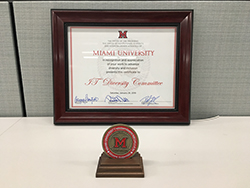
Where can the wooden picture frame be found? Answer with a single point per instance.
(70, 109)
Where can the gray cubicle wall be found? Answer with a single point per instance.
(221, 52)
(10, 100)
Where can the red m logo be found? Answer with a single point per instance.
(121, 143)
(122, 34)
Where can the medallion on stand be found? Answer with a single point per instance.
(120, 157)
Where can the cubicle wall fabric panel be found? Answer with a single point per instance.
(220, 64)
(10, 100)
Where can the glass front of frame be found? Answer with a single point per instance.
(119, 67)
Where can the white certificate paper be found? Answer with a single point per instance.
(113, 67)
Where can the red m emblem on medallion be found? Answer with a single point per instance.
(122, 34)
(120, 143)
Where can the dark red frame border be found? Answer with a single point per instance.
(181, 116)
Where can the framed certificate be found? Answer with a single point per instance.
(121, 66)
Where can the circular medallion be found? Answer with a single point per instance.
(120, 141)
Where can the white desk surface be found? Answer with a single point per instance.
(211, 153)
(6, 123)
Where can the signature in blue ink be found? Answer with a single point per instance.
(148, 100)
(86, 99)
(115, 99)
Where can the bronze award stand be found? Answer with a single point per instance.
(109, 167)
(120, 157)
